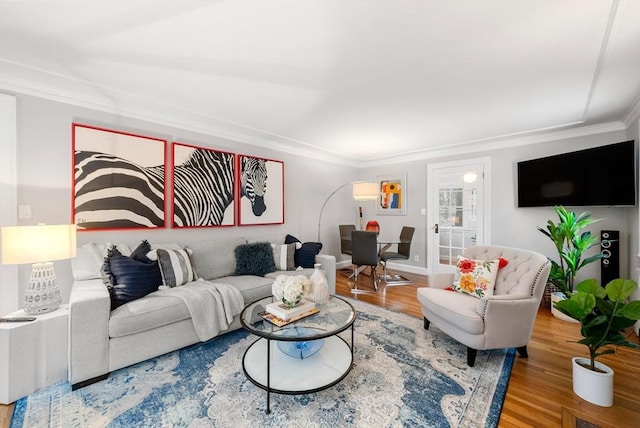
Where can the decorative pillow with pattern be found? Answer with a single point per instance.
(283, 256)
(476, 277)
(175, 266)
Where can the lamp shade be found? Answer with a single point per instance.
(365, 191)
(36, 244)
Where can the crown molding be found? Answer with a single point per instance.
(502, 142)
(87, 95)
(633, 114)
(165, 114)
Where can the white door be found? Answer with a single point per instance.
(457, 216)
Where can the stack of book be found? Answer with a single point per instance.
(279, 314)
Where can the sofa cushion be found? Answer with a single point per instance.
(305, 255)
(251, 287)
(457, 308)
(254, 259)
(149, 312)
(215, 258)
(89, 258)
(306, 272)
(283, 256)
(129, 278)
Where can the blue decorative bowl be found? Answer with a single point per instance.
(300, 350)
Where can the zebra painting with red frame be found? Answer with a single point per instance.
(203, 187)
(118, 179)
(260, 191)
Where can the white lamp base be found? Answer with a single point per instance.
(43, 294)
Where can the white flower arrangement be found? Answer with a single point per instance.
(289, 289)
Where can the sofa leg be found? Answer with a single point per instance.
(523, 351)
(89, 381)
(426, 323)
(471, 356)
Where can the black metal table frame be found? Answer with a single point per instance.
(297, 339)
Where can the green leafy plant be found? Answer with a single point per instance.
(603, 314)
(571, 246)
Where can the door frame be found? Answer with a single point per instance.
(9, 195)
(432, 217)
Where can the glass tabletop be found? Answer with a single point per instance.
(334, 317)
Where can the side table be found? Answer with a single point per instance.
(33, 354)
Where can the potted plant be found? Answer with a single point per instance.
(603, 313)
(571, 245)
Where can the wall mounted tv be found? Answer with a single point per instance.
(602, 175)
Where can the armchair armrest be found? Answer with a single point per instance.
(328, 263)
(89, 312)
(440, 280)
(509, 318)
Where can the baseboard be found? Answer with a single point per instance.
(345, 264)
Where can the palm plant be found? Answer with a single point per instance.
(571, 246)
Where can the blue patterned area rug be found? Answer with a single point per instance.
(403, 376)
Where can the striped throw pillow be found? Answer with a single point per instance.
(175, 267)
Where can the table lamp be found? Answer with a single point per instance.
(40, 245)
(361, 191)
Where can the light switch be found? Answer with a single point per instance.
(423, 211)
(24, 211)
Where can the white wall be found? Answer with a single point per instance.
(44, 182)
(44, 177)
(512, 226)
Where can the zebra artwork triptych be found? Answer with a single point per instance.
(119, 183)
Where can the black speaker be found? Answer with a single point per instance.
(610, 263)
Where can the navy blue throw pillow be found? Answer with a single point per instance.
(129, 278)
(254, 259)
(306, 255)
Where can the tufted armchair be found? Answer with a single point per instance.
(504, 320)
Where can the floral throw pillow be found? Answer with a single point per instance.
(476, 277)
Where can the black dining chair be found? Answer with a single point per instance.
(403, 251)
(364, 252)
(345, 245)
(345, 238)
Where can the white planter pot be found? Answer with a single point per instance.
(595, 387)
(556, 297)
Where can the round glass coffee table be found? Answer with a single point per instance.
(302, 357)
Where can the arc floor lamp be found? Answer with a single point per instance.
(361, 190)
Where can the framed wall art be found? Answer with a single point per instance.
(393, 194)
(260, 191)
(203, 187)
(118, 179)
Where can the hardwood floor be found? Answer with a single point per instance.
(540, 389)
(540, 392)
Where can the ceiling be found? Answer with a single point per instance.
(355, 82)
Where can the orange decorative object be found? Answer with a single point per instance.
(373, 226)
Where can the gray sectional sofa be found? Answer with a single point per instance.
(102, 340)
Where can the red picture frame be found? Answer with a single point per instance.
(259, 191)
(118, 179)
(203, 187)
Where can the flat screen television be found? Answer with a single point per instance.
(604, 175)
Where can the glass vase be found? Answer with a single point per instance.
(320, 285)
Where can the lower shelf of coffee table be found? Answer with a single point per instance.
(298, 376)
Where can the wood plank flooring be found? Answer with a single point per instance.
(540, 392)
(540, 389)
